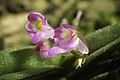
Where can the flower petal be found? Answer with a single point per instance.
(82, 47)
(49, 33)
(68, 27)
(64, 30)
(36, 38)
(64, 44)
(57, 41)
(44, 55)
(43, 36)
(31, 33)
(44, 21)
(42, 49)
(56, 50)
(32, 17)
(74, 43)
(29, 27)
(58, 32)
(70, 44)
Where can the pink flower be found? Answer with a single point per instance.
(66, 40)
(42, 49)
(38, 28)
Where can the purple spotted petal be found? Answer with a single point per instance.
(56, 50)
(82, 47)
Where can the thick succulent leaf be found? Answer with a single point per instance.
(55, 74)
(92, 62)
(103, 53)
(13, 59)
(102, 37)
(102, 43)
(26, 74)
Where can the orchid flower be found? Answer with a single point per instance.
(38, 28)
(42, 49)
(66, 40)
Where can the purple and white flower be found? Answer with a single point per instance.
(42, 49)
(38, 28)
(66, 40)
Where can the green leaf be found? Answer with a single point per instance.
(102, 43)
(14, 62)
(102, 37)
(103, 53)
(44, 73)
(25, 74)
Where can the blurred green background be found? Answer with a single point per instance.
(95, 14)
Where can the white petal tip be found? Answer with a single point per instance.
(85, 51)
